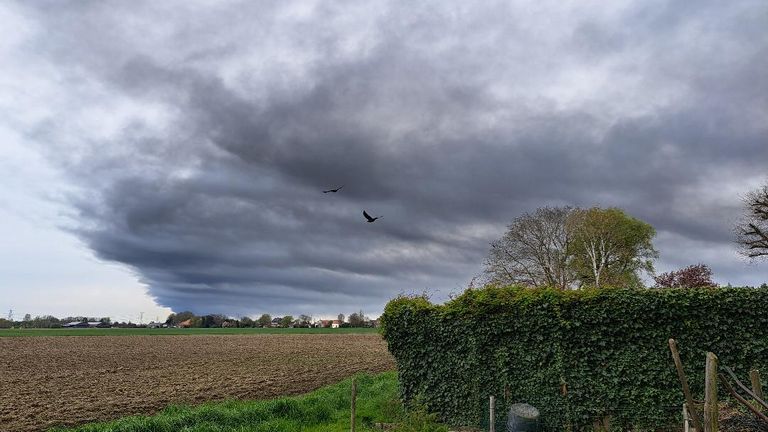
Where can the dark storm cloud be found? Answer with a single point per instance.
(448, 120)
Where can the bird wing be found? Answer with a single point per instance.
(339, 188)
(367, 216)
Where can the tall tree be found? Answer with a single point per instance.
(45, 321)
(752, 232)
(213, 320)
(534, 251)
(175, 319)
(693, 276)
(287, 321)
(265, 320)
(305, 320)
(357, 319)
(610, 247)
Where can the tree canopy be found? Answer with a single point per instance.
(357, 319)
(287, 321)
(693, 276)
(534, 251)
(566, 247)
(609, 247)
(265, 320)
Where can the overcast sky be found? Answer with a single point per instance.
(167, 155)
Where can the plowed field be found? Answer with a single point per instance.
(47, 381)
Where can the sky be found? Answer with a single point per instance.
(171, 155)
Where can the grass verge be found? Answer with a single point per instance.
(324, 410)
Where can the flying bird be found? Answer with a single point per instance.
(334, 190)
(369, 218)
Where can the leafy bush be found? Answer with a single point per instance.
(576, 355)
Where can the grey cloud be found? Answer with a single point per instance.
(442, 119)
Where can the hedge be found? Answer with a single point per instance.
(576, 355)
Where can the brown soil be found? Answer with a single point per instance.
(47, 381)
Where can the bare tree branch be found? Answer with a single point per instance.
(752, 232)
(533, 251)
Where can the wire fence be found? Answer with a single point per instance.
(548, 422)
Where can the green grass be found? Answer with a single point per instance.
(178, 331)
(324, 410)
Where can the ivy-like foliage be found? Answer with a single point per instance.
(578, 356)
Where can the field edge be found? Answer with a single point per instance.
(325, 409)
(181, 331)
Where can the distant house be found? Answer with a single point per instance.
(323, 323)
(335, 323)
(155, 325)
(276, 322)
(186, 324)
(375, 323)
(85, 324)
(76, 324)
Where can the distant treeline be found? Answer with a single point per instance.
(50, 321)
(189, 319)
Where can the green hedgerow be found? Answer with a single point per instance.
(576, 355)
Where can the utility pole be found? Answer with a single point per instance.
(141, 317)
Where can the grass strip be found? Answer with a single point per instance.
(324, 410)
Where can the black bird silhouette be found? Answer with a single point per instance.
(369, 218)
(334, 190)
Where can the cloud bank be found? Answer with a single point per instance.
(199, 136)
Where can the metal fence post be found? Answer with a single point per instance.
(492, 413)
(352, 407)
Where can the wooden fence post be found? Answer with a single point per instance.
(757, 388)
(492, 414)
(354, 397)
(684, 383)
(710, 394)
